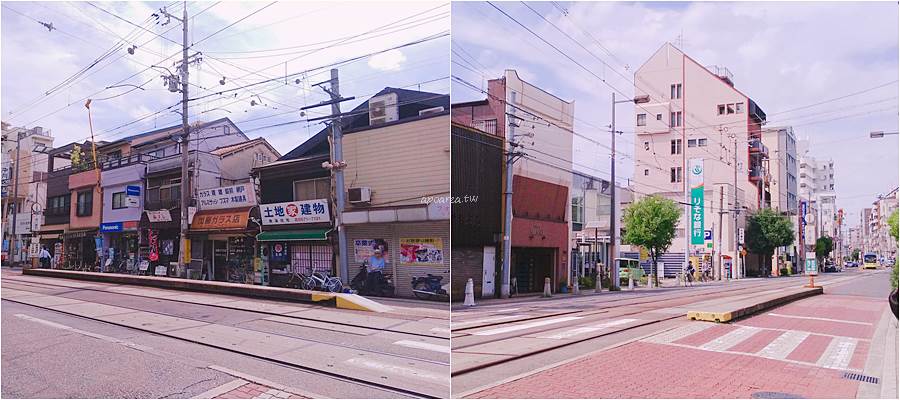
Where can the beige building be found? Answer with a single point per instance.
(695, 112)
(32, 186)
(398, 185)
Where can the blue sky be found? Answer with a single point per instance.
(35, 60)
(783, 55)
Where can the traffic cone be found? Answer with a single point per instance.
(470, 294)
(547, 288)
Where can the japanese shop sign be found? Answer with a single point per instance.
(241, 195)
(159, 216)
(133, 196)
(421, 251)
(295, 212)
(220, 220)
(695, 166)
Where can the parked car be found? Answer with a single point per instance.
(830, 266)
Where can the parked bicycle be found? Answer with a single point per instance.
(325, 282)
(429, 287)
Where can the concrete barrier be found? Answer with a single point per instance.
(724, 310)
(339, 300)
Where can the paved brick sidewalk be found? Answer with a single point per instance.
(802, 349)
(251, 390)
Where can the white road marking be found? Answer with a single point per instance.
(459, 325)
(838, 353)
(220, 390)
(783, 345)
(439, 330)
(424, 346)
(534, 324)
(587, 329)
(843, 321)
(85, 333)
(730, 339)
(443, 379)
(679, 333)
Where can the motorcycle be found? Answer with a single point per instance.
(429, 287)
(360, 283)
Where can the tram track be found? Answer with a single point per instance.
(356, 379)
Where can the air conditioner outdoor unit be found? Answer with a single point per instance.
(383, 109)
(432, 110)
(360, 195)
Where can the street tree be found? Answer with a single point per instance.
(824, 246)
(766, 231)
(650, 222)
(892, 223)
(855, 255)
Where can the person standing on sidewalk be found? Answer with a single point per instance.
(44, 256)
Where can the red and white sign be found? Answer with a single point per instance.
(159, 216)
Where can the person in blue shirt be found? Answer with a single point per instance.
(375, 269)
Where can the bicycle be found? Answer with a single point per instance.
(300, 281)
(324, 282)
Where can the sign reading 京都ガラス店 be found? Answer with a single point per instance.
(295, 212)
(695, 168)
(421, 251)
(241, 195)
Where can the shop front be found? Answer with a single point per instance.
(80, 249)
(223, 243)
(296, 239)
(539, 251)
(158, 237)
(121, 250)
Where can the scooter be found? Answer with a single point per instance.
(429, 287)
(385, 287)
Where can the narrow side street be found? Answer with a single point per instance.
(135, 342)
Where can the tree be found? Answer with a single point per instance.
(650, 222)
(855, 255)
(892, 224)
(76, 157)
(824, 246)
(767, 230)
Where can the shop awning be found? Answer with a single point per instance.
(226, 219)
(306, 234)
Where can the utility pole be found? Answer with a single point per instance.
(15, 201)
(508, 196)
(613, 268)
(720, 271)
(337, 164)
(736, 211)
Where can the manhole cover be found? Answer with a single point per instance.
(774, 395)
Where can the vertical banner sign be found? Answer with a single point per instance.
(695, 166)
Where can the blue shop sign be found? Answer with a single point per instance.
(132, 190)
(111, 227)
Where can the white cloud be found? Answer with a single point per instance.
(387, 61)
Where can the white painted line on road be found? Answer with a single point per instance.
(424, 346)
(843, 321)
(443, 379)
(84, 333)
(439, 330)
(783, 345)
(220, 390)
(485, 320)
(587, 329)
(680, 332)
(534, 324)
(730, 339)
(838, 353)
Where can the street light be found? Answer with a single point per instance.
(613, 269)
(880, 134)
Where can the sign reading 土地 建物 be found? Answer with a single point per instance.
(695, 168)
(295, 212)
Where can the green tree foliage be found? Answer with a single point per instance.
(824, 246)
(650, 222)
(855, 255)
(767, 230)
(892, 223)
(76, 157)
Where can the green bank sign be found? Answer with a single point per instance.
(695, 168)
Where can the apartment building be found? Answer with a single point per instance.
(28, 172)
(696, 115)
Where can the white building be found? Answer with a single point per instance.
(695, 112)
(32, 186)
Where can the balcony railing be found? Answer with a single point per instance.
(756, 146)
(118, 162)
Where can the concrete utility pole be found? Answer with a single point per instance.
(508, 196)
(15, 202)
(737, 211)
(185, 127)
(720, 271)
(337, 164)
(335, 94)
(613, 268)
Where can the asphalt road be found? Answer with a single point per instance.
(76, 339)
(502, 342)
